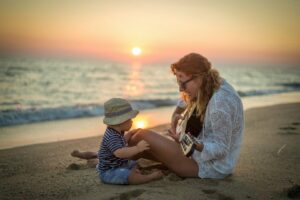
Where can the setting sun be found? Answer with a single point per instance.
(140, 123)
(136, 51)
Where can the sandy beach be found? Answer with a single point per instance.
(269, 166)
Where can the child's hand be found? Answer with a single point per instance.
(131, 133)
(143, 145)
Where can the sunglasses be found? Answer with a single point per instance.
(182, 85)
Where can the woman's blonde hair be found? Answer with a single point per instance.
(196, 65)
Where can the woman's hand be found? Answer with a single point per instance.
(198, 146)
(173, 135)
(175, 119)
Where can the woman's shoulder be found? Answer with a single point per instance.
(225, 96)
(226, 90)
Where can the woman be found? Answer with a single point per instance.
(218, 123)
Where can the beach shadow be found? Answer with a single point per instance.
(211, 182)
(289, 130)
(229, 178)
(173, 177)
(224, 197)
(215, 194)
(129, 195)
(209, 191)
(90, 163)
(293, 192)
(75, 166)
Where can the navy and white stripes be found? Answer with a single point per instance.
(112, 140)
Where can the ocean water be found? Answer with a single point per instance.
(40, 89)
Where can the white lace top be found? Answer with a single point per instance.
(221, 135)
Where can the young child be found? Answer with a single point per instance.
(115, 166)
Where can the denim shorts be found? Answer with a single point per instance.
(118, 175)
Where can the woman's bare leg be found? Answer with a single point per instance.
(168, 152)
(84, 154)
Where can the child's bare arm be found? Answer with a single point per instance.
(127, 152)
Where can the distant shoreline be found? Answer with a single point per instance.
(60, 130)
(19, 116)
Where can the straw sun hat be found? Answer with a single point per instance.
(117, 111)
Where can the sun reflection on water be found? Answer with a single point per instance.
(135, 86)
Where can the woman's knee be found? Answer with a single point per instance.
(136, 138)
(185, 169)
(141, 135)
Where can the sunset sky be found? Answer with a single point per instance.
(234, 30)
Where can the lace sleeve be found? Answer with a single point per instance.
(216, 145)
(181, 103)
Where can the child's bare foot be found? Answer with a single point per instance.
(137, 178)
(156, 175)
(84, 154)
(75, 153)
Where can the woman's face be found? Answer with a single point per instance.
(188, 84)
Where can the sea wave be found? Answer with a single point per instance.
(19, 116)
(284, 87)
(292, 85)
(262, 92)
(23, 116)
